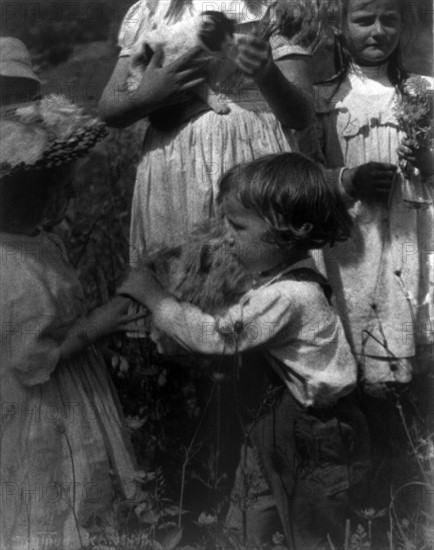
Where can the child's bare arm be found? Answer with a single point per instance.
(286, 84)
(120, 105)
(102, 321)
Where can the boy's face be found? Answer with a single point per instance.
(247, 232)
(372, 30)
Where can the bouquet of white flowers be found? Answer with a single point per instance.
(414, 111)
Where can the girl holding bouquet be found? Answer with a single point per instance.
(264, 93)
(380, 275)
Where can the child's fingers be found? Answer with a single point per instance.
(384, 174)
(405, 153)
(192, 84)
(253, 55)
(247, 66)
(186, 58)
(189, 74)
(381, 166)
(130, 317)
(252, 41)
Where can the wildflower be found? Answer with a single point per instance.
(123, 366)
(413, 111)
(371, 513)
(278, 538)
(134, 422)
(206, 519)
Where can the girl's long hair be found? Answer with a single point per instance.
(397, 71)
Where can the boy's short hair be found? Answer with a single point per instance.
(291, 194)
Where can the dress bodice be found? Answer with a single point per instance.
(147, 22)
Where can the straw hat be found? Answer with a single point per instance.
(16, 72)
(45, 133)
(15, 59)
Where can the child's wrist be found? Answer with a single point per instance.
(346, 182)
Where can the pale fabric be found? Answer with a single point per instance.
(356, 125)
(177, 177)
(289, 321)
(50, 404)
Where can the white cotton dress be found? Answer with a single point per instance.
(64, 453)
(381, 276)
(178, 174)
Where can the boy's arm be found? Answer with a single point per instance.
(247, 325)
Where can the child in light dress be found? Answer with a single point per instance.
(310, 446)
(64, 452)
(188, 145)
(210, 32)
(381, 275)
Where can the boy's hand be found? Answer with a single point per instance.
(110, 317)
(141, 285)
(370, 180)
(254, 56)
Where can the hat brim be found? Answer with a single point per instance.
(59, 152)
(12, 69)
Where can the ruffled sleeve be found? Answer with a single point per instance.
(35, 354)
(39, 304)
(135, 23)
(301, 43)
(282, 47)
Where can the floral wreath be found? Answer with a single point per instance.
(45, 133)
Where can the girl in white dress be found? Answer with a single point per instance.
(188, 146)
(386, 264)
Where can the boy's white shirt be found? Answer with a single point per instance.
(289, 321)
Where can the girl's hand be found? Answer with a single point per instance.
(110, 317)
(254, 56)
(159, 83)
(373, 179)
(102, 321)
(422, 158)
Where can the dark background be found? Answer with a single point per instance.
(73, 48)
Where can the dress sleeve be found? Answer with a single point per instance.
(30, 344)
(301, 42)
(282, 47)
(250, 324)
(35, 315)
(133, 26)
